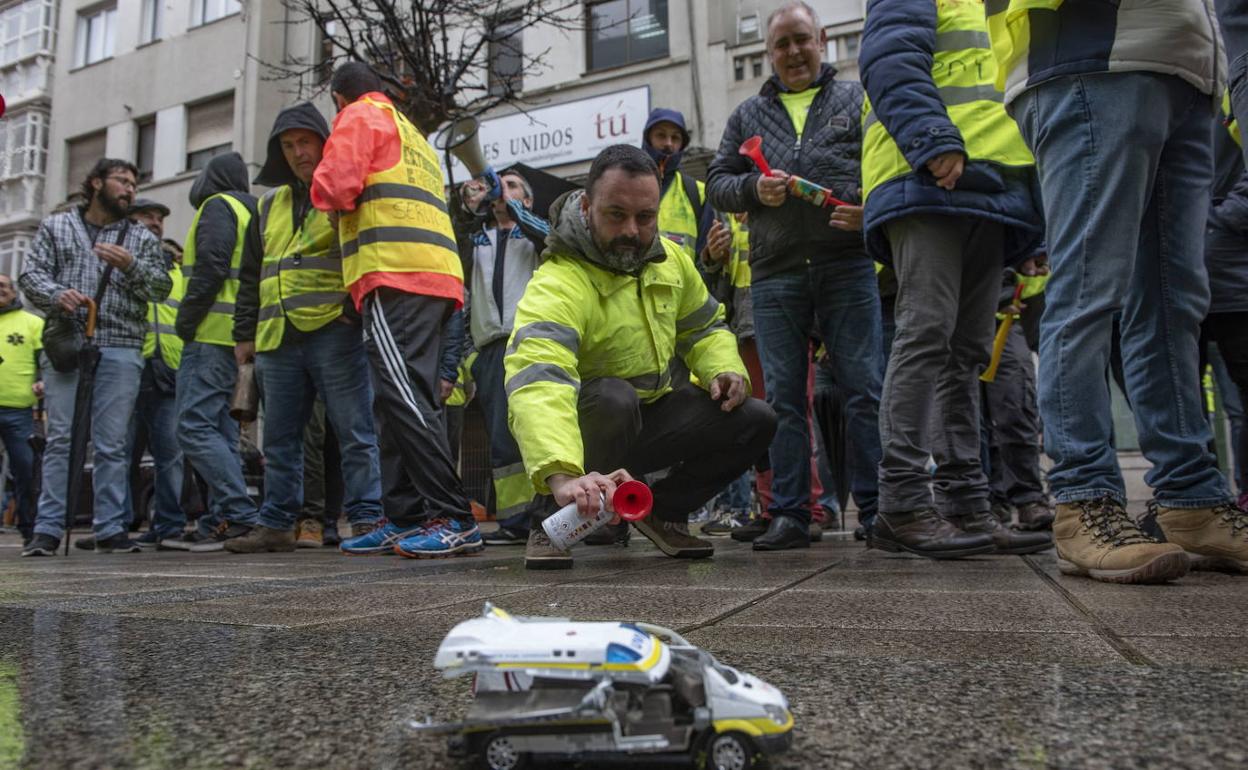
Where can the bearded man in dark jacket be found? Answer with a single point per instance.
(810, 271)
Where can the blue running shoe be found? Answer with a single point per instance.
(441, 538)
(380, 540)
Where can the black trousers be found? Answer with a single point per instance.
(403, 333)
(704, 447)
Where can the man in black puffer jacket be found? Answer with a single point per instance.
(810, 272)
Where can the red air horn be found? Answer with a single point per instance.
(805, 189)
(632, 500)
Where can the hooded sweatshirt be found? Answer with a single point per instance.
(275, 173)
(215, 237)
(670, 163)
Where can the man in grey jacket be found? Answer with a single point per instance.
(1116, 102)
(72, 255)
(807, 273)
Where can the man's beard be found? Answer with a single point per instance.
(114, 206)
(625, 254)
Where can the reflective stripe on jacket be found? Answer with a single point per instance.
(301, 273)
(963, 70)
(678, 217)
(217, 328)
(400, 222)
(161, 317)
(580, 322)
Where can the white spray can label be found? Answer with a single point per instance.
(632, 501)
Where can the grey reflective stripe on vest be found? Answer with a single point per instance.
(541, 373)
(408, 192)
(329, 264)
(698, 318)
(685, 344)
(311, 299)
(397, 235)
(508, 470)
(163, 329)
(222, 307)
(653, 381)
(993, 7)
(171, 302)
(546, 330)
(961, 39)
(951, 96)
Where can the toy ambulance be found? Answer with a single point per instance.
(550, 688)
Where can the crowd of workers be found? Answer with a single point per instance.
(996, 163)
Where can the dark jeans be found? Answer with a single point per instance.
(323, 487)
(704, 447)
(403, 334)
(1233, 20)
(1230, 331)
(16, 425)
(1014, 425)
(837, 300)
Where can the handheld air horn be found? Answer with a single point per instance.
(798, 187)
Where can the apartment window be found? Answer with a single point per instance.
(506, 57)
(83, 153)
(747, 66)
(145, 149)
(626, 31)
(151, 21)
(12, 248)
(208, 11)
(96, 37)
(325, 52)
(748, 30)
(25, 30)
(844, 47)
(209, 131)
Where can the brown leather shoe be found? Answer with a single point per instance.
(262, 540)
(1007, 541)
(1097, 539)
(926, 533)
(539, 553)
(1214, 538)
(1034, 517)
(673, 538)
(308, 533)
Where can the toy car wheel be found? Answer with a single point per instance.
(500, 753)
(730, 751)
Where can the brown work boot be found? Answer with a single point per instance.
(1007, 541)
(1034, 517)
(1214, 538)
(1097, 539)
(926, 533)
(673, 538)
(262, 540)
(540, 553)
(308, 533)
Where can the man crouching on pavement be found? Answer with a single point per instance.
(593, 355)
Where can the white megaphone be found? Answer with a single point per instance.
(459, 138)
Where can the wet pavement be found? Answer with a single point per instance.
(315, 660)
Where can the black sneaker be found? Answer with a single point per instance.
(85, 543)
(148, 539)
(119, 543)
(182, 542)
(216, 541)
(724, 525)
(750, 530)
(41, 545)
(506, 536)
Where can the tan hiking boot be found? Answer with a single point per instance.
(262, 540)
(1097, 539)
(1214, 538)
(673, 538)
(308, 533)
(539, 553)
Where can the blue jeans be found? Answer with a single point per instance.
(112, 405)
(736, 496)
(209, 436)
(330, 361)
(158, 413)
(1125, 167)
(838, 300)
(16, 425)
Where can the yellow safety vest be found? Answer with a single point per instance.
(739, 261)
(964, 71)
(1229, 119)
(1010, 28)
(301, 275)
(578, 322)
(1033, 285)
(459, 394)
(400, 224)
(678, 218)
(217, 328)
(21, 339)
(161, 317)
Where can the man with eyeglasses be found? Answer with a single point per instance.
(94, 251)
